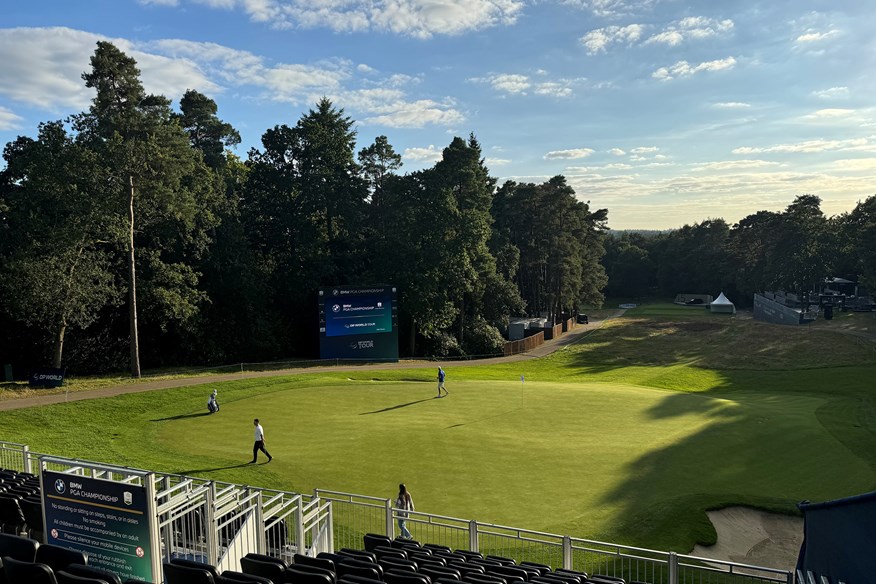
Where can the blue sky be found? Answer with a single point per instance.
(665, 112)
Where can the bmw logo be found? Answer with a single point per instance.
(60, 486)
(336, 308)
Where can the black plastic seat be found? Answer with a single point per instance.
(351, 579)
(229, 576)
(265, 558)
(362, 568)
(576, 573)
(435, 546)
(324, 563)
(397, 577)
(197, 565)
(32, 509)
(372, 540)
(402, 542)
(383, 551)
(502, 560)
(178, 574)
(358, 554)
(19, 548)
(27, 572)
(390, 563)
(67, 578)
(87, 571)
(466, 567)
(470, 554)
(11, 517)
(308, 575)
(304, 568)
(58, 558)
(484, 579)
(335, 558)
(603, 579)
(435, 571)
(271, 570)
(542, 568)
(427, 557)
(510, 573)
(551, 579)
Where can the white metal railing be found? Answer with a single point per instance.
(203, 520)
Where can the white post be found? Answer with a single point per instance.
(261, 543)
(473, 535)
(390, 526)
(211, 528)
(300, 541)
(331, 529)
(25, 450)
(673, 568)
(567, 553)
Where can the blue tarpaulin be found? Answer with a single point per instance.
(839, 539)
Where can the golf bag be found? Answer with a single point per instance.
(212, 404)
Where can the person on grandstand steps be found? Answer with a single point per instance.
(259, 442)
(403, 503)
(441, 376)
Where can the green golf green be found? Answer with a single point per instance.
(593, 443)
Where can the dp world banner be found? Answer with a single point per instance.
(358, 322)
(110, 521)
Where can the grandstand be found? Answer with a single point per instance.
(202, 531)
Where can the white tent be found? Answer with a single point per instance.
(722, 304)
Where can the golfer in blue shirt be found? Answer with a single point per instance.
(441, 382)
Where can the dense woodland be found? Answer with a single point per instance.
(131, 234)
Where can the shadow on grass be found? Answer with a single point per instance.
(389, 409)
(197, 470)
(499, 415)
(181, 417)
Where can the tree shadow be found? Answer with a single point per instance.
(389, 409)
(197, 470)
(181, 416)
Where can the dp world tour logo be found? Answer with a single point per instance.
(60, 486)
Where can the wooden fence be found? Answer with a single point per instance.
(523, 345)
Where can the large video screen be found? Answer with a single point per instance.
(358, 322)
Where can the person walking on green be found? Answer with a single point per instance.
(259, 443)
(441, 387)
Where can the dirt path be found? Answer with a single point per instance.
(547, 348)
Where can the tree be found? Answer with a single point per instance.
(157, 181)
(206, 131)
(57, 268)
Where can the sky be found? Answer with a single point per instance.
(665, 112)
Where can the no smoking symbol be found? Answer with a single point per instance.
(139, 551)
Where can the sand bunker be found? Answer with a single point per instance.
(754, 537)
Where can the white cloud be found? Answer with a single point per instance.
(568, 154)
(416, 18)
(685, 69)
(366, 69)
(518, 84)
(813, 36)
(644, 150)
(497, 162)
(809, 146)
(9, 120)
(159, 2)
(733, 165)
(856, 164)
(510, 83)
(832, 93)
(553, 89)
(691, 28)
(429, 154)
(597, 40)
(612, 8)
(830, 113)
(616, 152)
(731, 105)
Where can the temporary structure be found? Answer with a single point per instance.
(722, 304)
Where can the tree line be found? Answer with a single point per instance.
(792, 250)
(131, 235)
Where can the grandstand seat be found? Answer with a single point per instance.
(436, 547)
(400, 564)
(179, 574)
(540, 568)
(87, 571)
(372, 540)
(466, 567)
(470, 554)
(271, 570)
(306, 569)
(383, 551)
(20, 548)
(402, 542)
(336, 558)
(484, 562)
(445, 581)
(264, 558)
(230, 576)
(510, 573)
(421, 557)
(502, 560)
(351, 579)
(27, 572)
(578, 574)
(603, 579)
(474, 578)
(397, 577)
(324, 563)
(11, 517)
(562, 578)
(449, 555)
(436, 571)
(358, 554)
(57, 557)
(197, 565)
(362, 568)
(32, 509)
(531, 570)
(64, 577)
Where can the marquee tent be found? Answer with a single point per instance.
(722, 304)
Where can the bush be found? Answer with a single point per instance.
(482, 338)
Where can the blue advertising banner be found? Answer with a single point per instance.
(358, 322)
(47, 377)
(107, 520)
